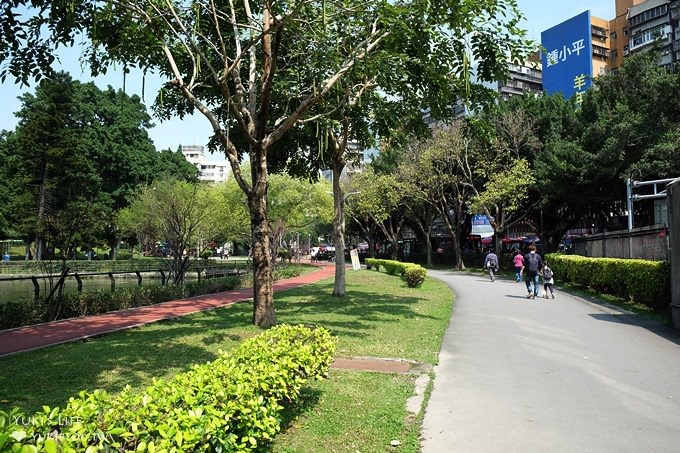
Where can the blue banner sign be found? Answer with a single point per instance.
(567, 57)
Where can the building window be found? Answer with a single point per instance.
(649, 36)
(648, 15)
(613, 35)
(625, 32)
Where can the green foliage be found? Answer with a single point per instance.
(15, 313)
(170, 210)
(19, 312)
(315, 58)
(283, 272)
(413, 274)
(231, 404)
(641, 281)
(75, 158)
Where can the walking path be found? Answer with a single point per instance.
(42, 335)
(564, 375)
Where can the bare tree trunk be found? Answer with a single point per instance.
(42, 209)
(339, 231)
(456, 237)
(264, 314)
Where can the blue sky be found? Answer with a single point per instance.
(540, 15)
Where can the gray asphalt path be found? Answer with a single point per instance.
(550, 376)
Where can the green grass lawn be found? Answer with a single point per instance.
(351, 411)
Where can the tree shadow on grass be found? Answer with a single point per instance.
(52, 375)
(309, 399)
(354, 313)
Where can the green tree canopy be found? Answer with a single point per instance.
(79, 153)
(257, 71)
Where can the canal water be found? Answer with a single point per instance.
(23, 289)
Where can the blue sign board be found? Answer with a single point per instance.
(567, 57)
(481, 226)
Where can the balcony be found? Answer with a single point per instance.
(601, 51)
(600, 32)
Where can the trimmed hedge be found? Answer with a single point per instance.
(231, 404)
(413, 274)
(641, 281)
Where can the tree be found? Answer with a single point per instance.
(379, 203)
(363, 206)
(172, 211)
(625, 128)
(560, 165)
(7, 190)
(438, 173)
(256, 70)
(297, 205)
(629, 131)
(46, 164)
(92, 151)
(502, 176)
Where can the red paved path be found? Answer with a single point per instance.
(48, 334)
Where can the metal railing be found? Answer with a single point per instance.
(39, 284)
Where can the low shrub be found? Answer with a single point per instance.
(284, 272)
(413, 274)
(642, 281)
(16, 313)
(231, 404)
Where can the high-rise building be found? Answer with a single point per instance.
(650, 26)
(522, 79)
(641, 25)
(209, 171)
(619, 33)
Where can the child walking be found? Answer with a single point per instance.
(548, 281)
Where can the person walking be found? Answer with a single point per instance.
(518, 261)
(548, 281)
(533, 263)
(491, 263)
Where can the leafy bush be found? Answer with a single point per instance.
(26, 312)
(641, 281)
(282, 273)
(413, 274)
(284, 254)
(372, 263)
(231, 404)
(124, 255)
(16, 313)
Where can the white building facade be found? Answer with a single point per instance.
(209, 171)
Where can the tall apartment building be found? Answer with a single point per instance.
(651, 26)
(639, 25)
(522, 79)
(209, 171)
(619, 33)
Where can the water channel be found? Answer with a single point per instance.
(24, 289)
